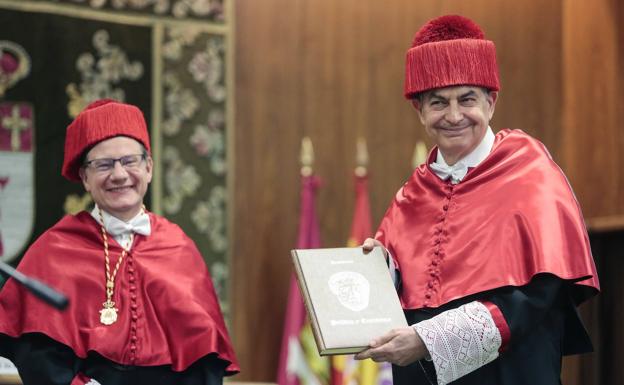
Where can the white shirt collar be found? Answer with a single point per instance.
(121, 230)
(458, 171)
(477, 155)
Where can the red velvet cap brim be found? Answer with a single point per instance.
(450, 63)
(96, 124)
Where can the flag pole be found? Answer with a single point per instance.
(361, 157)
(299, 362)
(306, 156)
(420, 154)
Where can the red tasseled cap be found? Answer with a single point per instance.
(101, 120)
(449, 27)
(450, 50)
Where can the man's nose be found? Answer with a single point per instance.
(454, 114)
(118, 170)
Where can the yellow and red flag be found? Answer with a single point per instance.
(299, 362)
(345, 369)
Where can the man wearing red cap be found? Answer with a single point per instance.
(486, 239)
(142, 309)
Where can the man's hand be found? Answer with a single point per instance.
(399, 346)
(370, 243)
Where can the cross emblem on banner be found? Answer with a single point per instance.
(15, 123)
(16, 177)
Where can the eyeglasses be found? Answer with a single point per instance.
(128, 162)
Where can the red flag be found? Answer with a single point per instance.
(361, 227)
(299, 362)
(345, 370)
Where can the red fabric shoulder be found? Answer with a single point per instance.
(512, 217)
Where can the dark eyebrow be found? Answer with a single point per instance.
(467, 94)
(433, 94)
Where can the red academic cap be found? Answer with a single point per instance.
(101, 120)
(448, 51)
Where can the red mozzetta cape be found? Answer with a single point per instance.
(512, 217)
(168, 310)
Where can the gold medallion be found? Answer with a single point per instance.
(108, 315)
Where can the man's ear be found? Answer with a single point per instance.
(418, 106)
(83, 178)
(149, 165)
(492, 97)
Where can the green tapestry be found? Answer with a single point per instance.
(166, 56)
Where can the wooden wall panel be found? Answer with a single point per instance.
(267, 131)
(592, 142)
(592, 105)
(333, 70)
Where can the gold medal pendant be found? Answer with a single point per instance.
(108, 315)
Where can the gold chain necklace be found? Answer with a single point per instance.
(108, 315)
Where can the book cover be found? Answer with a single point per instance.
(349, 296)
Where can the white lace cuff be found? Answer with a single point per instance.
(460, 340)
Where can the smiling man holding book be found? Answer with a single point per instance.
(486, 239)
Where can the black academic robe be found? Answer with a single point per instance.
(544, 326)
(43, 361)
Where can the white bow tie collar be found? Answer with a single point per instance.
(456, 172)
(140, 224)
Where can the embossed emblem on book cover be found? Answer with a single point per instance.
(349, 296)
